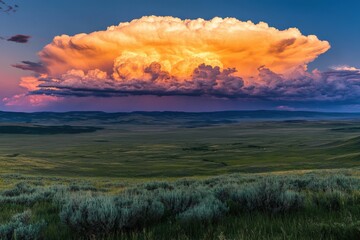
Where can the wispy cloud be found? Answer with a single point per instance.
(31, 66)
(7, 7)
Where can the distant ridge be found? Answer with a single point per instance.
(165, 117)
(206, 112)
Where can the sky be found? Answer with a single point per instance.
(180, 55)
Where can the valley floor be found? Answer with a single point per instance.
(176, 150)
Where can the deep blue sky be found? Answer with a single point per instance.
(335, 21)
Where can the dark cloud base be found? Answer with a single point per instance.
(342, 85)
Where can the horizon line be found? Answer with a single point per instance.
(169, 111)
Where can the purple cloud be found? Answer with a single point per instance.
(19, 38)
(37, 67)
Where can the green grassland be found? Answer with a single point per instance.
(179, 176)
(144, 151)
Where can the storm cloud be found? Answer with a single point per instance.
(163, 56)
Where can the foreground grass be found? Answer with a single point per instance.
(288, 205)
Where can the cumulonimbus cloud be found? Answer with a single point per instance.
(182, 45)
(169, 56)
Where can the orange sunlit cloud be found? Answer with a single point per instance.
(161, 56)
(182, 45)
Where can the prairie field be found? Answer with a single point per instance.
(141, 146)
(179, 176)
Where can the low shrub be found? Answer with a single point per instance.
(101, 215)
(20, 227)
(89, 215)
(82, 187)
(268, 195)
(19, 189)
(338, 182)
(138, 211)
(208, 210)
(157, 185)
(179, 200)
(24, 194)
